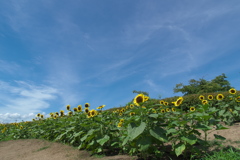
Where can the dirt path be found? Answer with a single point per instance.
(34, 149)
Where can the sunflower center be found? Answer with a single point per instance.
(139, 99)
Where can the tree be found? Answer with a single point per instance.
(218, 84)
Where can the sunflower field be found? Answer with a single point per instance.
(145, 127)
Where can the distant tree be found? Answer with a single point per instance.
(219, 83)
(139, 92)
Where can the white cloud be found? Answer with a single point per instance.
(20, 100)
(16, 117)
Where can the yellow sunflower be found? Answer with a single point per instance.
(167, 110)
(237, 99)
(178, 101)
(122, 120)
(94, 112)
(204, 102)
(70, 113)
(86, 110)
(89, 114)
(165, 103)
(120, 124)
(138, 99)
(100, 107)
(201, 97)
(75, 109)
(161, 102)
(68, 107)
(131, 106)
(174, 109)
(146, 98)
(192, 109)
(87, 105)
(210, 97)
(162, 111)
(132, 113)
(220, 96)
(79, 108)
(232, 91)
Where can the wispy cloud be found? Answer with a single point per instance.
(22, 98)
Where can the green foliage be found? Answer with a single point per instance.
(200, 86)
(145, 130)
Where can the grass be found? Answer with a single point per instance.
(224, 154)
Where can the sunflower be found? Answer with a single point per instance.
(174, 109)
(86, 110)
(89, 114)
(51, 114)
(87, 105)
(144, 107)
(204, 101)
(161, 102)
(93, 112)
(166, 103)
(120, 114)
(162, 111)
(42, 116)
(210, 97)
(138, 99)
(132, 113)
(232, 91)
(178, 101)
(237, 99)
(38, 115)
(68, 107)
(121, 120)
(127, 107)
(79, 108)
(146, 98)
(131, 106)
(100, 107)
(61, 113)
(201, 97)
(75, 109)
(119, 124)
(230, 110)
(21, 127)
(122, 110)
(192, 109)
(154, 111)
(220, 96)
(70, 113)
(167, 110)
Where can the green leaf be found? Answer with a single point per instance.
(125, 140)
(144, 143)
(179, 148)
(190, 139)
(153, 115)
(103, 140)
(159, 134)
(221, 112)
(237, 108)
(172, 130)
(219, 137)
(136, 131)
(203, 127)
(220, 127)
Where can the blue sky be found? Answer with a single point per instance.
(54, 53)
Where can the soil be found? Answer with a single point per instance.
(35, 149)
